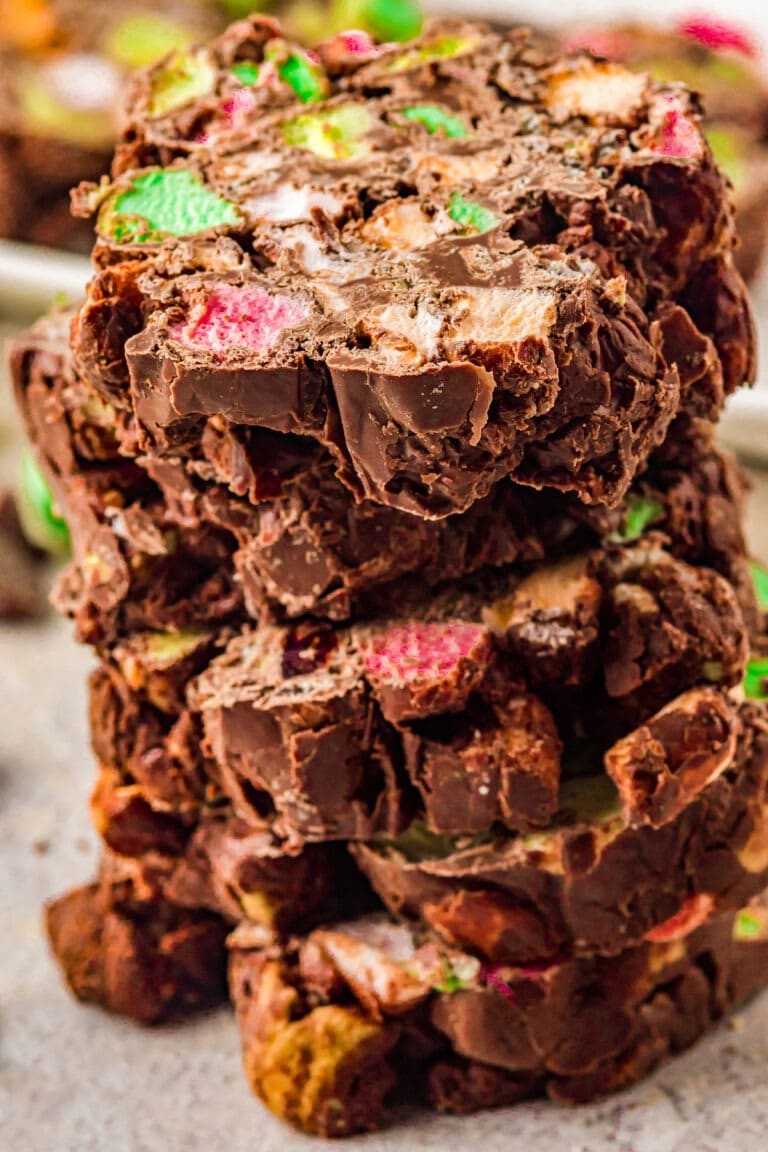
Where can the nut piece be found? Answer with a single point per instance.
(663, 765)
(324, 1070)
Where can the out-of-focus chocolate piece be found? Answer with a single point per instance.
(151, 965)
(22, 576)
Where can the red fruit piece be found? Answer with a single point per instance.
(422, 669)
(718, 35)
(234, 317)
(677, 135)
(695, 911)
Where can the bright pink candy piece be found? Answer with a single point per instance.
(358, 43)
(677, 134)
(718, 35)
(237, 108)
(414, 652)
(232, 317)
(694, 912)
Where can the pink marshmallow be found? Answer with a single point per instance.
(420, 651)
(718, 35)
(233, 317)
(677, 135)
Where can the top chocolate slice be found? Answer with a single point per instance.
(449, 262)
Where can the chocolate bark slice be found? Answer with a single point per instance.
(339, 1024)
(297, 539)
(591, 881)
(416, 261)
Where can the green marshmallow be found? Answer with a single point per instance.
(393, 19)
(760, 581)
(436, 119)
(247, 72)
(470, 215)
(142, 39)
(337, 134)
(307, 80)
(39, 521)
(443, 48)
(165, 648)
(756, 679)
(187, 76)
(747, 926)
(640, 514)
(162, 203)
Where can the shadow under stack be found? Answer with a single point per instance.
(416, 579)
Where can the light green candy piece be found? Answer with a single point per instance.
(142, 39)
(164, 648)
(445, 48)
(459, 974)
(308, 80)
(236, 9)
(42, 112)
(639, 515)
(247, 72)
(470, 215)
(436, 119)
(391, 19)
(186, 76)
(755, 679)
(728, 151)
(166, 202)
(385, 20)
(337, 134)
(747, 926)
(760, 581)
(39, 521)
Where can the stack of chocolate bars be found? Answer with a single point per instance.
(417, 583)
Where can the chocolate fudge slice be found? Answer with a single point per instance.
(410, 257)
(339, 1024)
(473, 695)
(298, 540)
(719, 60)
(598, 878)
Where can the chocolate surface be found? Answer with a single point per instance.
(418, 268)
(339, 1024)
